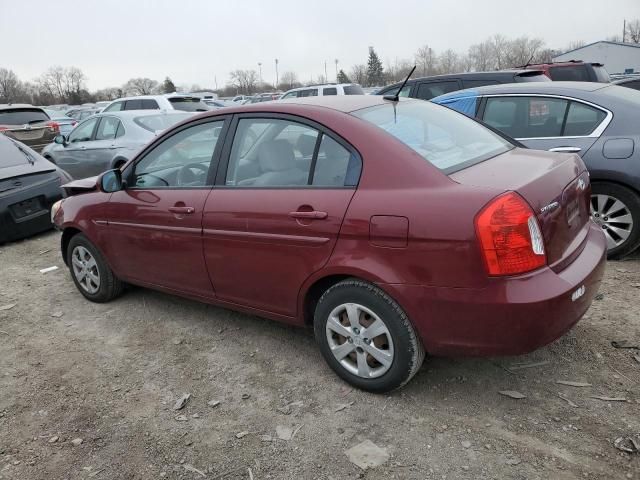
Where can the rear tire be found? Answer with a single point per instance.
(90, 271)
(611, 202)
(366, 338)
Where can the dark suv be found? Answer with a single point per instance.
(28, 124)
(427, 88)
(573, 71)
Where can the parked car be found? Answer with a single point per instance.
(573, 71)
(65, 123)
(432, 251)
(171, 101)
(27, 124)
(629, 82)
(215, 104)
(80, 113)
(29, 185)
(323, 90)
(108, 140)
(426, 88)
(240, 98)
(595, 120)
(102, 104)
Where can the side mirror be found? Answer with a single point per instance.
(111, 181)
(60, 140)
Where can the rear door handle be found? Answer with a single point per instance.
(566, 149)
(313, 215)
(182, 210)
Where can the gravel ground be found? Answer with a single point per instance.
(88, 391)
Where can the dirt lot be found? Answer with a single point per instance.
(111, 374)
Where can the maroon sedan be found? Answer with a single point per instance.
(394, 228)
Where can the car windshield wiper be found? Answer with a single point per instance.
(26, 153)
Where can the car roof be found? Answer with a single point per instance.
(559, 88)
(483, 75)
(322, 85)
(130, 114)
(10, 106)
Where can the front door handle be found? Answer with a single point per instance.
(313, 215)
(566, 149)
(182, 210)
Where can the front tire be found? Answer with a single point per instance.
(366, 338)
(616, 209)
(90, 271)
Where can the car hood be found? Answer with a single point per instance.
(15, 163)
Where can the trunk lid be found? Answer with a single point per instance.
(556, 186)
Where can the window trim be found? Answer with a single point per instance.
(213, 165)
(101, 118)
(223, 164)
(596, 133)
(93, 132)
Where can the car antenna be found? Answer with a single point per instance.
(395, 97)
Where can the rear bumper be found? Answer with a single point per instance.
(13, 224)
(511, 316)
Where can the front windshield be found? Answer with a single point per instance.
(445, 138)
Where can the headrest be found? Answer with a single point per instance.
(276, 155)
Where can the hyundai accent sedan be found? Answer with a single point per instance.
(394, 228)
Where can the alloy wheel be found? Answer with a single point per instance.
(85, 269)
(614, 217)
(359, 340)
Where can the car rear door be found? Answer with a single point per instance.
(103, 146)
(557, 124)
(155, 222)
(274, 215)
(76, 156)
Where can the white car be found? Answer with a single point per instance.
(323, 90)
(170, 101)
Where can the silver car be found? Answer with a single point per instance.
(108, 140)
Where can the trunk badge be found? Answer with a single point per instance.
(549, 208)
(578, 293)
(581, 184)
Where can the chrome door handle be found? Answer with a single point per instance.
(566, 149)
(182, 210)
(313, 215)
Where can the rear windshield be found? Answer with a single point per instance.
(22, 116)
(353, 90)
(601, 74)
(532, 77)
(160, 122)
(188, 104)
(445, 138)
(569, 73)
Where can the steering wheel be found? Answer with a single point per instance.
(186, 176)
(150, 175)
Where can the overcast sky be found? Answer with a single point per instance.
(198, 41)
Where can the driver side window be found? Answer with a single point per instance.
(182, 160)
(83, 132)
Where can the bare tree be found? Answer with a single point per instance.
(244, 80)
(520, 51)
(140, 86)
(499, 47)
(481, 56)
(288, 80)
(632, 32)
(358, 74)
(449, 62)
(10, 87)
(426, 60)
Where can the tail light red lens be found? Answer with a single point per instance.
(54, 126)
(510, 236)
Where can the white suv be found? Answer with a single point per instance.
(170, 101)
(322, 90)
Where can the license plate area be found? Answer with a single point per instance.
(28, 208)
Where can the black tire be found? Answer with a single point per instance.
(110, 286)
(632, 202)
(408, 352)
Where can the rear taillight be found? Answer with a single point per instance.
(510, 236)
(54, 127)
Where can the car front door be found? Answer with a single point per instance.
(74, 157)
(155, 222)
(557, 124)
(104, 145)
(276, 210)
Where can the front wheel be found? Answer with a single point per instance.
(616, 209)
(366, 338)
(90, 272)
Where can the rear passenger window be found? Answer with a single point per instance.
(577, 73)
(582, 119)
(526, 117)
(149, 104)
(429, 90)
(329, 91)
(312, 92)
(114, 107)
(283, 153)
(108, 128)
(133, 105)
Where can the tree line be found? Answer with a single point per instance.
(68, 84)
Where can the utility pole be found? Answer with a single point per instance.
(325, 72)
(336, 70)
(260, 69)
(624, 29)
(277, 74)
